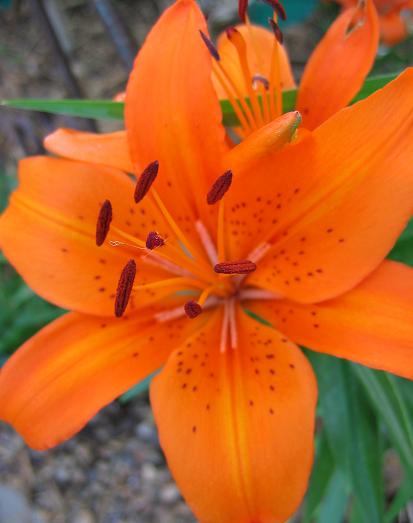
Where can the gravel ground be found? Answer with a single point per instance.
(111, 472)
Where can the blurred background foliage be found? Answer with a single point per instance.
(364, 461)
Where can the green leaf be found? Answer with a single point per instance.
(403, 250)
(387, 399)
(323, 471)
(352, 433)
(109, 110)
(99, 109)
(333, 507)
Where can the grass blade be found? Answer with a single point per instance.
(109, 110)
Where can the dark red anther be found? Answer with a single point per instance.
(278, 8)
(124, 289)
(146, 180)
(210, 46)
(242, 10)
(276, 30)
(192, 309)
(103, 223)
(235, 267)
(219, 188)
(153, 240)
(230, 31)
(259, 78)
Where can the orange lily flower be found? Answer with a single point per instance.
(254, 62)
(395, 18)
(298, 231)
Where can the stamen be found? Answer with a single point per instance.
(235, 267)
(207, 242)
(192, 309)
(278, 8)
(224, 329)
(156, 260)
(210, 46)
(236, 104)
(219, 188)
(259, 252)
(276, 30)
(236, 38)
(103, 222)
(242, 9)
(178, 312)
(154, 240)
(146, 180)
(232, 324)
(260, 79)
(124, 289)
(259, 294)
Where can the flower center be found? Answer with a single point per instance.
(209, 279)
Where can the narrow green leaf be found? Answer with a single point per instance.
(323, 471)
(352, 433)
(334, 504)
(403, 250)
(109, 110)
(387, 399)
(98, 109)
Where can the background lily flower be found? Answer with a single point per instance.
(395, 18)
(296, 231)
(333, 75)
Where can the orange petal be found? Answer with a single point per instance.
(237, 427)
(371, 324)
(393, 28)
(172, 113)
(337, 68)
(72, 368)
(48, 233)
(354, 196)
(257, 145)
(109, 149)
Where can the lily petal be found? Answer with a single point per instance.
(393, 27)
(266, 139)
(172, 113)
(371, 324)
(75, 366)
(48, 233)
(238, 425)
(337, 68)
(259, 42)
(345, 199)
(109, 149)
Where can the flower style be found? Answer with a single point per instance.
(395, 17)
(158, 273)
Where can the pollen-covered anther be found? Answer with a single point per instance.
(219, 188)
(124, 289)
(276, 30)
(103, 222)
(146, 180)
(260, 79)
(210, 46)
(235, 267)
(154, 240)
(192, 309)
(278, 8)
